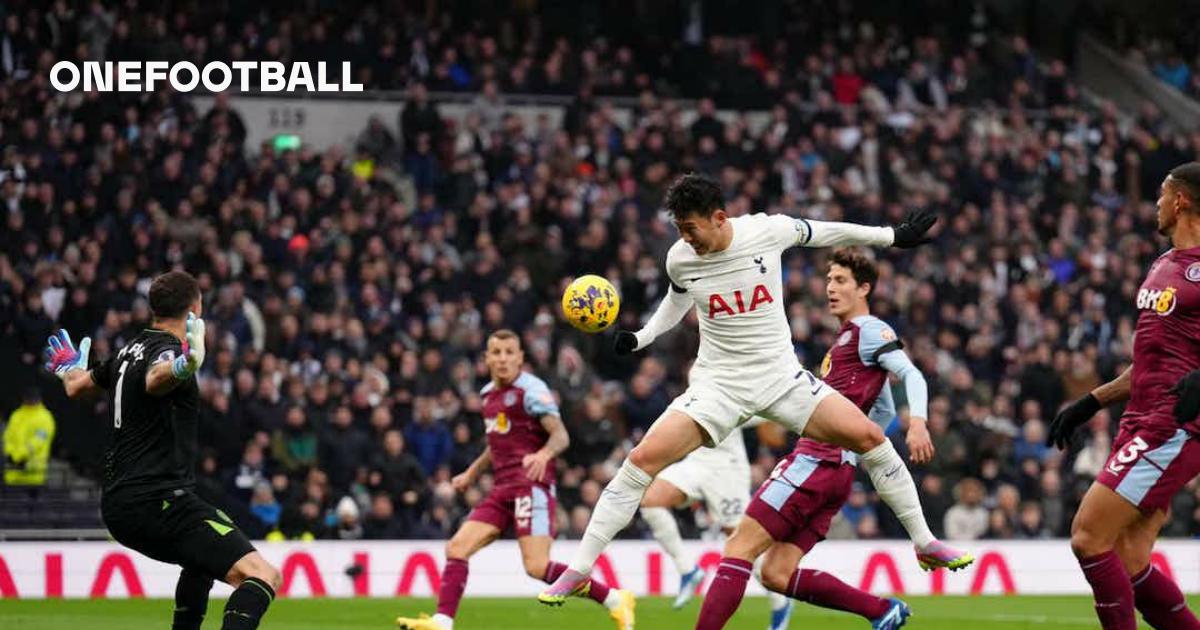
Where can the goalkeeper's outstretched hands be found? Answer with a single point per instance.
(186, 364)
(62, 356)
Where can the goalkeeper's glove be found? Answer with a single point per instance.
(1070, 418)
(62, 356)
(186, 364)
(1188, 390)
(625, 342)
(911, 231)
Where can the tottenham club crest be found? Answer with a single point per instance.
(1193, 272)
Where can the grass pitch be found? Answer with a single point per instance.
(654, 613)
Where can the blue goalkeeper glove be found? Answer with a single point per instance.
(186, 364)
(62, 356)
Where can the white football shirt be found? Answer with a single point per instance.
(738, 293)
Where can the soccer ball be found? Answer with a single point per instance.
(591, 303)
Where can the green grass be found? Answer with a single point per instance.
(938, 613)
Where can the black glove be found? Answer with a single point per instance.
(1064, 424)
(911, 231)
(625, 342)
(1188, 390)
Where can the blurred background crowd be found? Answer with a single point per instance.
(346, 313)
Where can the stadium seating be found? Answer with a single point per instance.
(342, 294)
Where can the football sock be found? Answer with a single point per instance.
(597, 592)
(454, 582)
(666, 532)
(724, 594)
(247, 604)
(1112, 590)
(1161, 602)
(895, 486)
(822, 589)
(616, 507)
(191, 600)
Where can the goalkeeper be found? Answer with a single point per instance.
(147, 502)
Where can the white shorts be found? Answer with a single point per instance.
(725, 490)
(720, 409)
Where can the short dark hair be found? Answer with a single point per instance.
(1187, 176)
(172, 294)
(503, 334)
(694, 195)
(862, 268)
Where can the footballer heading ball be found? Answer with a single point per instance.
(591, 303)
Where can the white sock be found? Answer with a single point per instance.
(895, 486)
(616, 507)
(666, 532)
(447, 623)
(612, 599)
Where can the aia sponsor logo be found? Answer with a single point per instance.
(1161, 301)
(719, 305)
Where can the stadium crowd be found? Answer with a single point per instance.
(346, 315)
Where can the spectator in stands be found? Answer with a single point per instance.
(381, 523)
(858, 508)
(249, 473)
(325, 275)
(594, 438)
(264, 505)
(1030, 524)
(342, 448)
(967, 519)
(294, 446)
(28, 437)
(349, 525)
(643, 404)
(427, 437)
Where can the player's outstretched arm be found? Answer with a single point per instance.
(70, 364)
(535, 463)
(670, 310)
(910, 232)
(1079, 412)
(916, 390)
(165, 376)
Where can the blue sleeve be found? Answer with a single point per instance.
(539, 401)
(915, 388)
(884, 410)
(876, 338)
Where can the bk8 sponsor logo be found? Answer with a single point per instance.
(1161, 301)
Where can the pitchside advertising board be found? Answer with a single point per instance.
(400, 569)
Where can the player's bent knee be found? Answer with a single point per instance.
(775, 577)
(458, 548)
(253, 565)
(645, 460)
(1086, 542)
(870, 437)
(536, 567)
